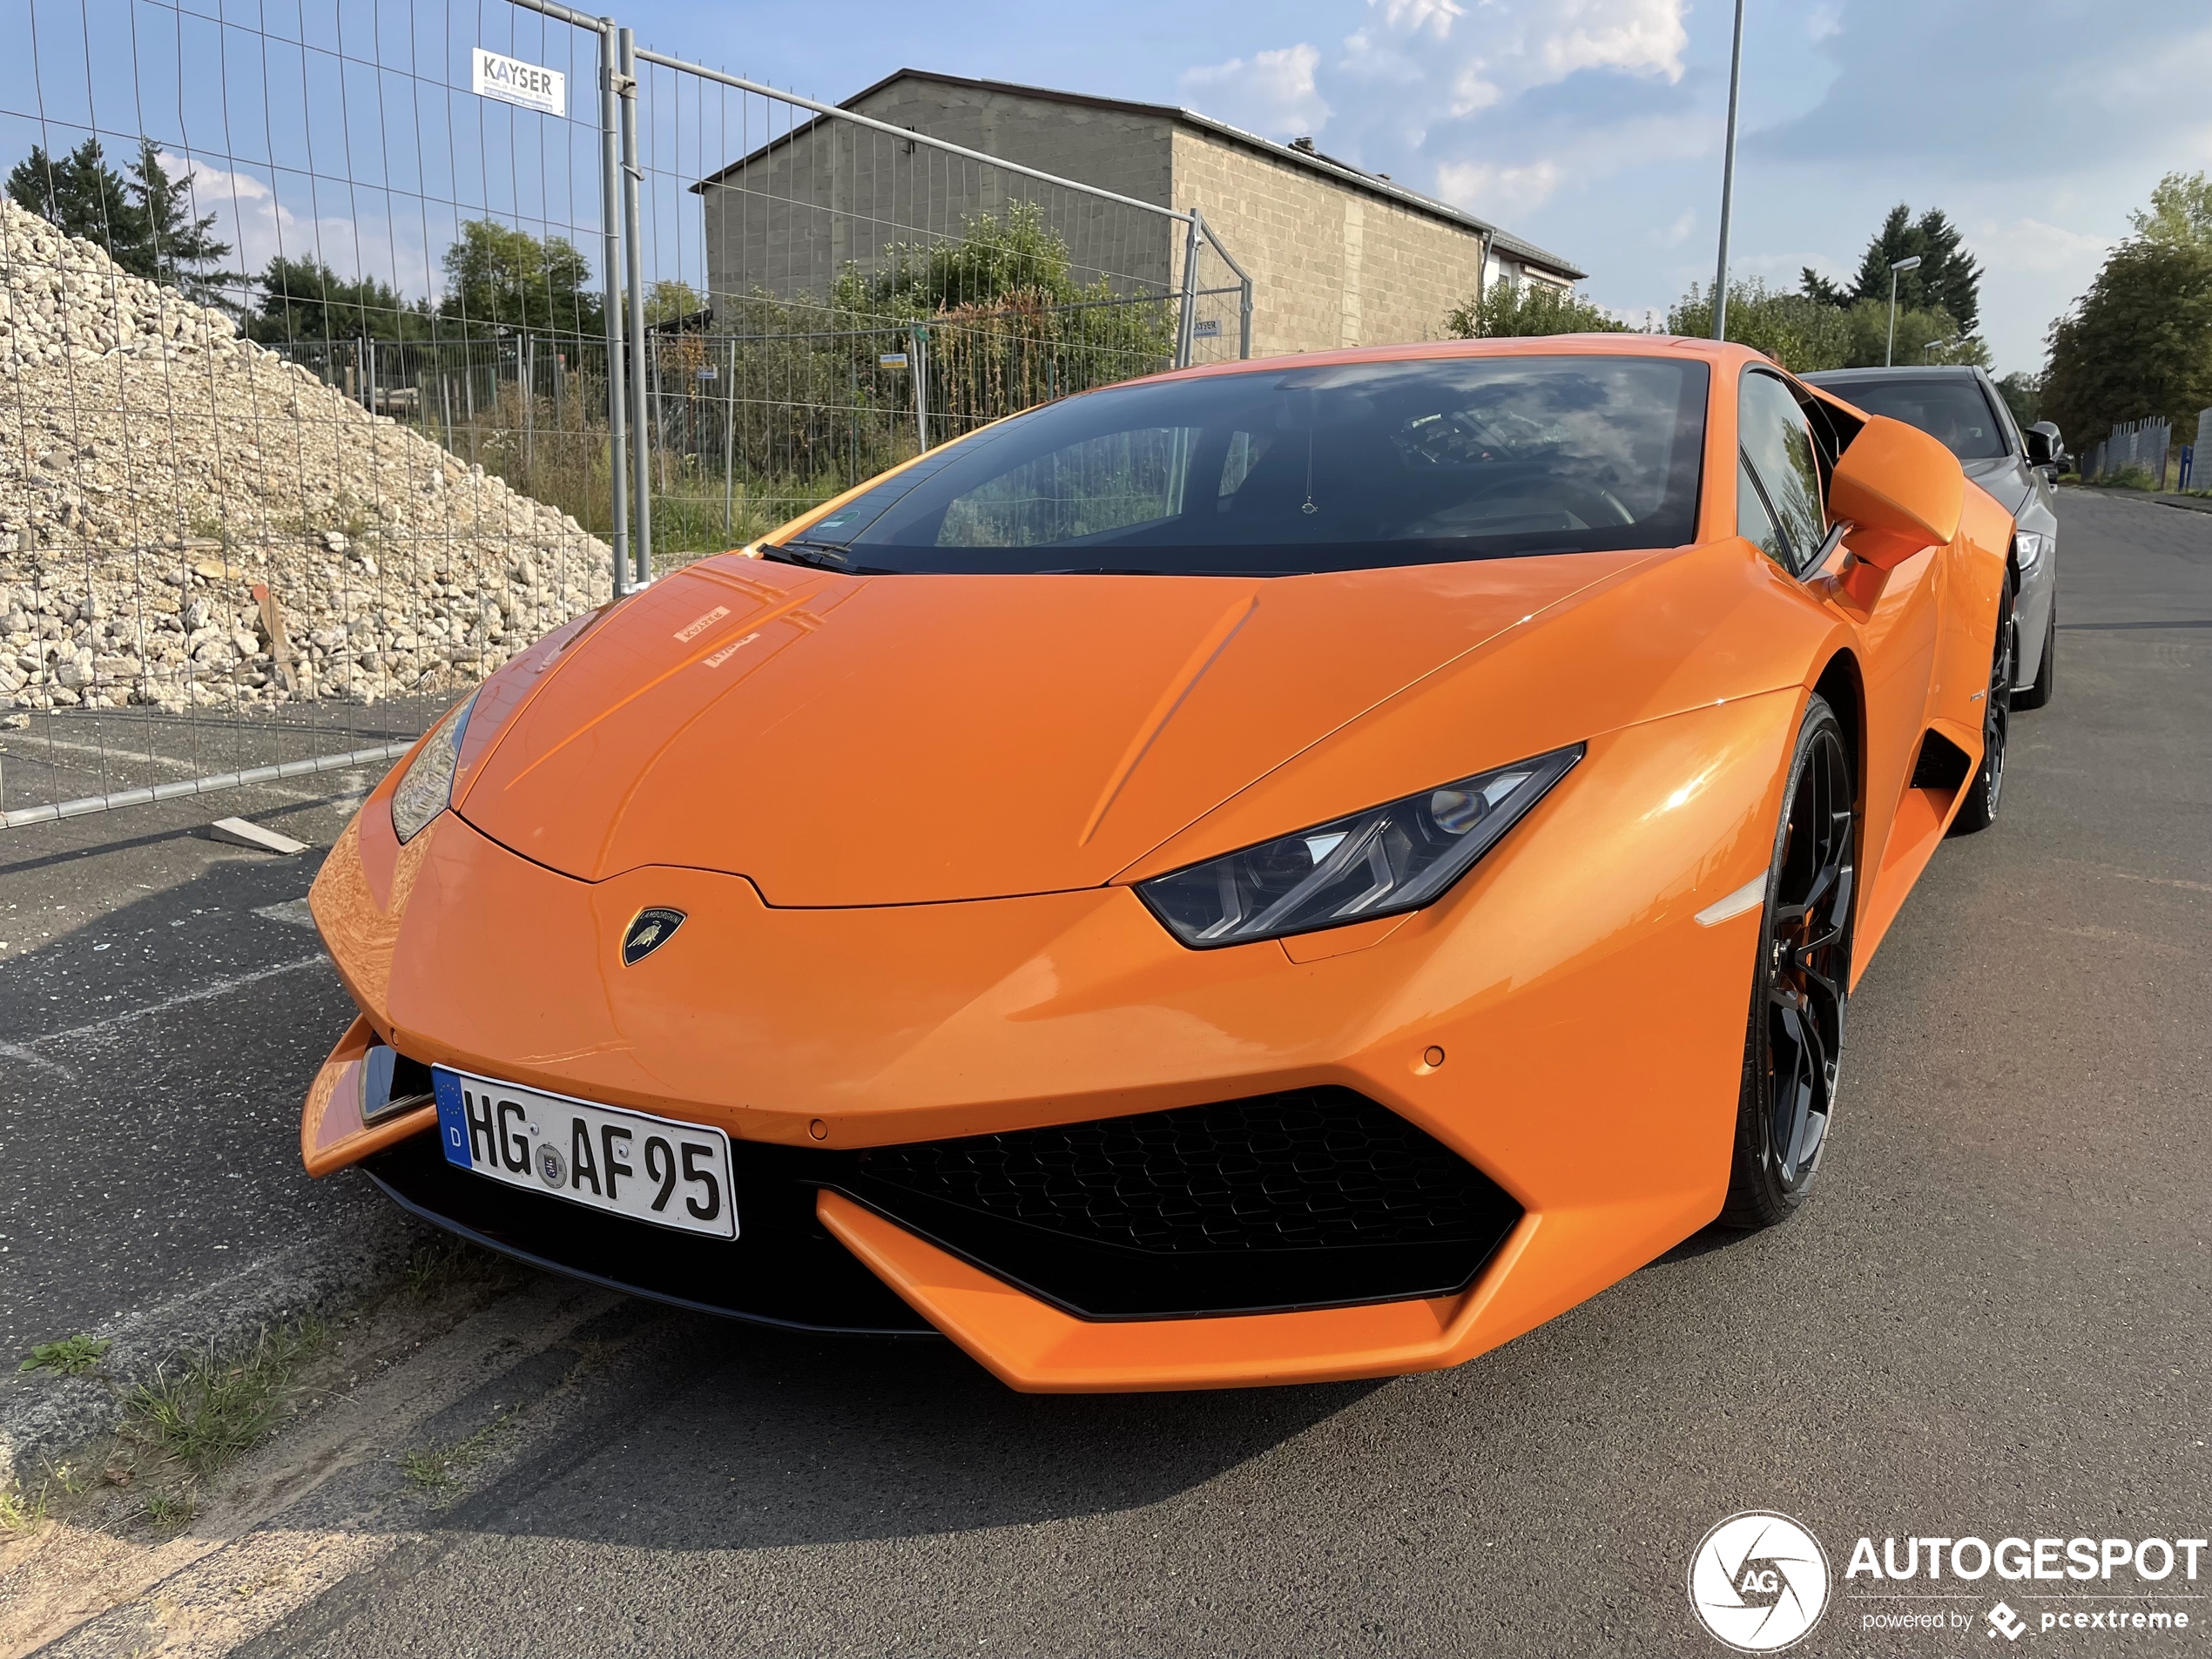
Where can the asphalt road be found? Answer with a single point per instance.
(162, 1001)
(1992, 1321)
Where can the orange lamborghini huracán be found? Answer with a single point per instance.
(1297, 870)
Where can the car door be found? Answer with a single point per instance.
(1781, 508)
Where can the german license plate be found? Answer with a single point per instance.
(650, 1169)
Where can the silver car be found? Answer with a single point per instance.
(1963, 408)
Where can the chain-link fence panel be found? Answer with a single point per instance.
(303, 380)
(826, 294)
(344, 351)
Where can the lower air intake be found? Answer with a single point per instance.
(1308, 1198)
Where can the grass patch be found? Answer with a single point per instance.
(2125, 478)
(447, 1264)
(70, 1356)
(21, 1512)
(437, 1470)
(215, 1409)
(171, 1509)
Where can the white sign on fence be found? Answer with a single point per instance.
(512, 81)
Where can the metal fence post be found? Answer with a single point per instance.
(632, 177)
(729, 442)
(918, 366)
(1192, 230)
(610, 261)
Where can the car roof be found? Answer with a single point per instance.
(1902, 371)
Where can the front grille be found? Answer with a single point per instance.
(1291, 1171)
(1310, 1197)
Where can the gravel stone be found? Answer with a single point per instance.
(155, 468)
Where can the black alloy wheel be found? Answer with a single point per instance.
(1984, 790)
(1799, 988)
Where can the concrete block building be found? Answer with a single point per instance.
(1339, 256)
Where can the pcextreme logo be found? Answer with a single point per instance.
(1759, 1582)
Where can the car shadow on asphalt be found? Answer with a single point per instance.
(723, 1436)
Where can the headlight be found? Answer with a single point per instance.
(426, 788)
(2031, 546)
(1377, 863)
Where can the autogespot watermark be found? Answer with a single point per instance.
(2068, 1587)
(1759, 1582)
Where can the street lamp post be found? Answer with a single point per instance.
(1914, 264)
(1728, 177)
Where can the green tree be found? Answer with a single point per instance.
(1817, 286)
(1505, 309)
(82, 196)
(670, 301)
(1800, 333)
(143, 221)
(177, 247)
(304, 299)
(2180, 211)
(498, 277)
(2138, 345)
(1947, 279)
(993, 258)
(1925, 334)
(2024, 396)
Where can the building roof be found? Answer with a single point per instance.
(1293, 155)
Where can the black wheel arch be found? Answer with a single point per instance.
(1843, 685)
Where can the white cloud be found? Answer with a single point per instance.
(1494, 191)
(1642, 36)
(1526, 43)
(258, 226)
(1273, 92)
(1678, 232)
(2031, 245)
(1411, 16)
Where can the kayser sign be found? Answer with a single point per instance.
(512, 81)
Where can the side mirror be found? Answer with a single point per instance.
(1899, 490)
(2044, 449)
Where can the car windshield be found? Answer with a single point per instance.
(1951, 410)
(1289, 470)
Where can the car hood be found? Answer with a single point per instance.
(2005, 478)
(897, 740)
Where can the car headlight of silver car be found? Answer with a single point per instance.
(426, 788)
(1390, 859)
(2030, 546)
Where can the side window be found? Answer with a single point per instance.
(1754, 523)
(1778, 444)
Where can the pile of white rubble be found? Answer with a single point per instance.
(188, 520)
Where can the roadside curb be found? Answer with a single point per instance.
(2166, 498)
(43, 1416)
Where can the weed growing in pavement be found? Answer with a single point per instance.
(70, 1356)
(216, 1408)
(70, 1479)
(435, 1268)
(171, 1508)
(19, 1513)
(437, 1470)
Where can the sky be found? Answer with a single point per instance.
(1594, 127)
(344, 130)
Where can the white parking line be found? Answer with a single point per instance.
(24, 751)
(213, 989)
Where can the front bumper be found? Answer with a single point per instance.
(1559, 1023)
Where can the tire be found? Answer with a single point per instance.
(2039, 695)
(1794, 1038)
(1985, 790)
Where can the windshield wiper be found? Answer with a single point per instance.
(818, 555)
